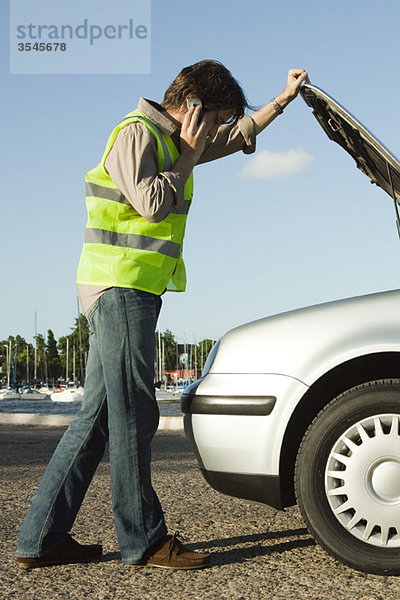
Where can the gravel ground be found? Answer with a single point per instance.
(258, 553)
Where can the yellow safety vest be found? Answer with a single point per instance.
(121, 248)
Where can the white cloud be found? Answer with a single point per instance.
(267, 165)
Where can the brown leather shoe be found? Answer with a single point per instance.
(69, 551)
(170, 553)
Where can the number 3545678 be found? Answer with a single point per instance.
(42, 46)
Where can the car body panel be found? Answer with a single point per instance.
(307, 342)
(282, 356)
(223, 440)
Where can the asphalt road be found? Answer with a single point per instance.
(258, 552)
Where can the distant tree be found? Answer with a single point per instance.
(3, 360)
(51, 355)
(52, 358)
(27, 359)
(41, 362)
(169, 341)
(25, 355)
(78, 347)
(203, 350)
(15, 351)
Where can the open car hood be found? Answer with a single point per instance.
(371, 156)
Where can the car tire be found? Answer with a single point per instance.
(347, 477)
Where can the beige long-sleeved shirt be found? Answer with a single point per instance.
(132, 164)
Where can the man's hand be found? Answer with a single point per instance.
(294, 80)
(193, 137)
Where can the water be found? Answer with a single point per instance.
(40, 407)
(169, 406)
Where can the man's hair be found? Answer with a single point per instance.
(210, 81)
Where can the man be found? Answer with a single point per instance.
(138, 198)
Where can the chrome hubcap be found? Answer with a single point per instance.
(362, 480)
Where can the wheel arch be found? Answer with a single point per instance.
(382, 365)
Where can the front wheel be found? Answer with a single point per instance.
(347, 477)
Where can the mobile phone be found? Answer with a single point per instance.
(196, 102)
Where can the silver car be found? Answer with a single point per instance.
(305, 406)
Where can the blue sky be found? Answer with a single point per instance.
(254, 246)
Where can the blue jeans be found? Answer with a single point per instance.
(119, 406)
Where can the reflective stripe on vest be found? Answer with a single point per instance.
(121, 248)
(92, 189)
(132, 240)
